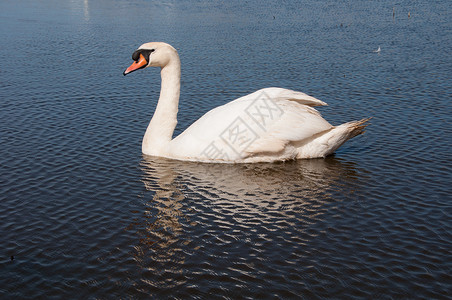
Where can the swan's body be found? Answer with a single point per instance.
(271, 124)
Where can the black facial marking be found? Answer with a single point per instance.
(145, 52)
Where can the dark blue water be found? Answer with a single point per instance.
(84, 215)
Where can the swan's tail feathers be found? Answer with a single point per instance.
(357, 127)
(327, 142)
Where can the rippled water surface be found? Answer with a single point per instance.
(84, 215)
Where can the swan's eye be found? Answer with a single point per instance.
(147, 53)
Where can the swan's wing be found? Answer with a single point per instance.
(262, 122)
(298, 123)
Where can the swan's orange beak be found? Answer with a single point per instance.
(139, 64)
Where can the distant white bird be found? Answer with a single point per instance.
(272, 124)
(378, 50)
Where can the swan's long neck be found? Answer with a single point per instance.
(160, 130)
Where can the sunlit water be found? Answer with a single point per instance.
(84, 215)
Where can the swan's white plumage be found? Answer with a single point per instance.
(271, 124)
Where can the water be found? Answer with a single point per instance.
(84, 215)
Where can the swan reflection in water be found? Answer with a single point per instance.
(254, 186)
(188, 205)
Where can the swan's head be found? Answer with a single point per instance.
(155, 54)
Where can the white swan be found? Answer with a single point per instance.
(272, 124)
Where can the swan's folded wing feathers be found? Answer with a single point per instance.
(297, 123)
